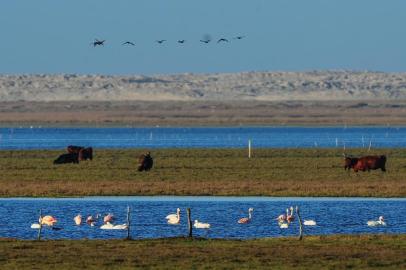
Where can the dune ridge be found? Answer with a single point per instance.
(255, 86)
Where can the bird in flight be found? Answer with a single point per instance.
(222, 40)
(128, 43)
(181, 41)
(161, 41)
(239, 37)
(97, 42)
(205, 40)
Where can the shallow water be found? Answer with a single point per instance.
(203, 137)
(333, 216)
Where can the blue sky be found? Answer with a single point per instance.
(49, 36)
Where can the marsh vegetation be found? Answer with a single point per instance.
(315, 252)
(270, 172)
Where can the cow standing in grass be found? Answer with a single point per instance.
(84, 153)
(368, 163)
(145, 162)
(349, 162)
(67, 158)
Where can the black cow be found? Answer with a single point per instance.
(145, 162)
(84, 153)
(74, 149)
(67, 158)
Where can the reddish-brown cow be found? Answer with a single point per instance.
(368, 163)
(145, 162)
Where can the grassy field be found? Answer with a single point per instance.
(271, 172)
(316, 252)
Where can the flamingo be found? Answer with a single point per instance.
(245, 220)
(201, 225)
(174, 218)
(282, 217)
(47, 220)
(379, 222)
(108, 218)
(90, 220)
(290, 217)
(78, 219)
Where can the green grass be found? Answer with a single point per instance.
(315, 252)
(271, 172)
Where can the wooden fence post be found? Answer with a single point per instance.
(249, 148)
(40, 225)
(300, 223)
(128, 223)
(189, 220)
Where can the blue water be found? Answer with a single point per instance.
(333, 216)
(202, 137)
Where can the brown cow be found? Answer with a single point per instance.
(349, 162)
(368, 163)
(86, 153)
(145, 162)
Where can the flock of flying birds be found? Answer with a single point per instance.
(206, 40)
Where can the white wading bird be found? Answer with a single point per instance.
(174, 218)
(379, 222)
(201, 225)
(245, 220)
(109, 226)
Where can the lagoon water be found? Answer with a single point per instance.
(333, 216)
(202, 137)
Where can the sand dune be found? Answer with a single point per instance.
(255, 86)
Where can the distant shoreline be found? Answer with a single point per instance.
(203, 113)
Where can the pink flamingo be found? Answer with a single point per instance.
(109, 218)
(48, 220)
(90, 220)
(78, 219)
(290, 217)
(282, 217)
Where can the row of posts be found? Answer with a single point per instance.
(189, 222)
